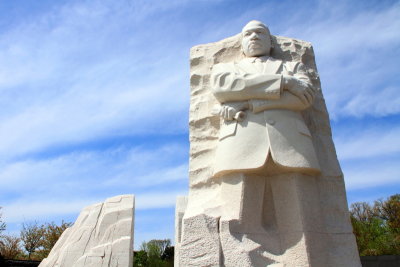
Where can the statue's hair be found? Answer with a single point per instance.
(258, 23)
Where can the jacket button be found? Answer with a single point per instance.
(270, 122)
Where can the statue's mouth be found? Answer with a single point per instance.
(254, 44)
(255, 41)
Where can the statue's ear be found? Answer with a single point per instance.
(241, 46)
(273, 41)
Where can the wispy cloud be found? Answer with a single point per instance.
(365, 175)
(154, 178)
(369, 157)
(76, 74)
(357, 59)
(379, 104)
(43, 210)
(80, 116)
(371, 142)
(68, 180)
(157, 200)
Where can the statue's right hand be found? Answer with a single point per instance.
(234, 110)
(227, 112)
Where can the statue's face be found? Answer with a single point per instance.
(256, 41)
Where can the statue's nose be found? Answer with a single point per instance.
(254, 36)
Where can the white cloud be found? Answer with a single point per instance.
(384, 102)
(65, 184)
(158, 199)
(369, 157)
(356, 58)
(40, 210)
(371, 142)
(22, 211)
(340, 33)
(365, 175)
(153, 178)
(80, 116)
(63, 80)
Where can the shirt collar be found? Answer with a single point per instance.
(253, 59)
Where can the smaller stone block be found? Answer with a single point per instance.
(102, 236)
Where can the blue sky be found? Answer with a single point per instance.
(94, 98)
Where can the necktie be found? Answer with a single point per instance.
(259, 65)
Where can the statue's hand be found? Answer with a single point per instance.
(238, 105)
(234, 110)
(299, 88)
(227, 112)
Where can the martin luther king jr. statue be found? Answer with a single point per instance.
(266, 181)
(263, 134)
(261, 100)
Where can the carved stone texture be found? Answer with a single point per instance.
(290, 211)
(102, 236)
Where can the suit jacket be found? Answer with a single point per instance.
(274, 126)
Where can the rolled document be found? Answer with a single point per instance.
(240, 116)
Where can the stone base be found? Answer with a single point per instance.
(265, 221)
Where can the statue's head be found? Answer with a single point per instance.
(256, 39)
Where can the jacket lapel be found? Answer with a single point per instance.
(272, 66)
(246, 66)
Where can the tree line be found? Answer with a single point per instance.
(377, 226)
(155, 253)
(34, 241)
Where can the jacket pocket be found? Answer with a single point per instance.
(302, 128)
(228, 128)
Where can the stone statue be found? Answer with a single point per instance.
(270, 94)
(265, 185)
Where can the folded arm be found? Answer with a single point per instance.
(297, 82)
(287, 101)
(259, 92)
(230, 86)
